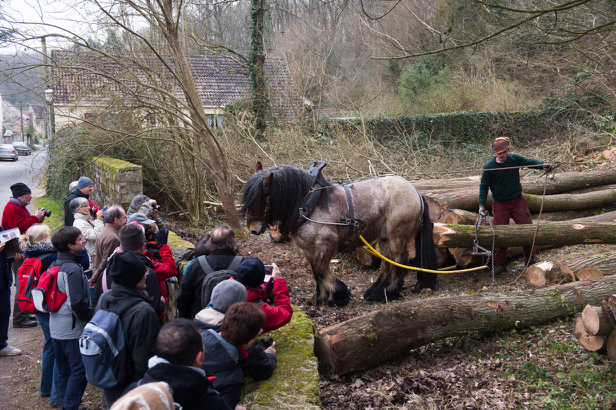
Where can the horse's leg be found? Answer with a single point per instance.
(330, 290)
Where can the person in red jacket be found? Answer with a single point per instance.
(251, 274)
(16, 215)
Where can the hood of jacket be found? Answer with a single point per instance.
(39, 249)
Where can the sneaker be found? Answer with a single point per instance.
(498, 269)
(24, 324)
(10, 351)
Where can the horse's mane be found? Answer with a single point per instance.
(287, 192)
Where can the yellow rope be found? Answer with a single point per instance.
(373, 252)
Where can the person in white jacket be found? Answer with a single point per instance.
(89, 227)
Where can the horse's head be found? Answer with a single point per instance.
(255, 200)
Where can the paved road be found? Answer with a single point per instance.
(28, 169)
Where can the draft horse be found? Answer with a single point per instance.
(322, 218)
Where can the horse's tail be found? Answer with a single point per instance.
(426, 251)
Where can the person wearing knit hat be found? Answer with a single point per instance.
(224, 295)
(251, 274)
(17, 215)
(140, 322)
(132, 239)
(148, 207)
(84, 189)
(501, 176)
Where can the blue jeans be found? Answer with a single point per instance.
(71, 373)
(5, 315)
(48, 378)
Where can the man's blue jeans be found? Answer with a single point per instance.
(71, 373)
(48, 378)
(5, 315)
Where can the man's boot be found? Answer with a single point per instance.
(498, 269)
(529, 254)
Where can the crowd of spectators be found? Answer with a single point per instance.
(116, 260)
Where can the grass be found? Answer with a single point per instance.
(56, 220)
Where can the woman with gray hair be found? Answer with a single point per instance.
(89, 227)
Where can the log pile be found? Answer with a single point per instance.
(546, 273)
(595, 327)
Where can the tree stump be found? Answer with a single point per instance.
(595, 322)
(589, 273)
(588, 342)
(540, 274)
(609, 308)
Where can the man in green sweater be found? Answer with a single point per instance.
(501, 175)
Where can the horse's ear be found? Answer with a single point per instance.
(259, 167)
(267, 181)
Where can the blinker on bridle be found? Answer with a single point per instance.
(267, 207)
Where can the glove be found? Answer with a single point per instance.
(161, 236)
(547, 168)
(483, 211)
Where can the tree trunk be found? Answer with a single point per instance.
(469, 200)
(571, 215)
(610, 344)
(395, 329)
(595, 322)
(563, 274)
(589, 342)
(554, 234)
(461, 217)
(589, 272)
(608, 304)
(560, 183)
(256, 67)
(220, 167)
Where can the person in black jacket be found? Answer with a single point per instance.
(225, 354)
(221, 252)
(139, 321)
(84, 189)
(132, 238)
(179, 355)
(6, 280)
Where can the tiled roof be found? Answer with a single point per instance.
(88, 79)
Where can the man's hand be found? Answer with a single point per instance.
(271, 349)
(483, 211)
(547, 168)
(40, 214)
(154, 214)
(2, 245)
(276, 272)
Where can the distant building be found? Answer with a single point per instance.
(85, 82)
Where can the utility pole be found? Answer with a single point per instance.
(21, 114)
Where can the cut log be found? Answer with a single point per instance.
(563, 274)
(604, 261)
(574, 215)
(608, 304)
(461, 217)
(553, 234)
(469, 200)
(610, 344)
(396, 329)
(366, 259)
(560, 183)
(588, 342)
(589, 273)
(595, 322)
(540, 274)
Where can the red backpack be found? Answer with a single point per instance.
(28, 276)
(46, 296)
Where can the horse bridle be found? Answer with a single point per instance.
(267, 208)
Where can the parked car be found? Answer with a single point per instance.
(8, 151)
(22, 148)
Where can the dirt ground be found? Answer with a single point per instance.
(474, 372)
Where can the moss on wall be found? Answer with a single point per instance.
(295, 382)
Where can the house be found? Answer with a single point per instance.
(85, 82)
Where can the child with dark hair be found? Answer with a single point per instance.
(179, 354)
(225, 353)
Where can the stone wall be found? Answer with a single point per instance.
(115, 181)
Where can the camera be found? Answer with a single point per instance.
(156, 206)
(47, 213)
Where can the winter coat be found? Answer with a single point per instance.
(190, 387)
(15, 215)
(106, 242)
(151, 287)
(6, 276)
(43, 249)
(189, 296)
(164, 269)
(90, 229)
(68, 322)
(278, 315)
(140, 325)
(223, 359)
(68, 215)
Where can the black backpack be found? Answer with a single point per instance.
(213, 278)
